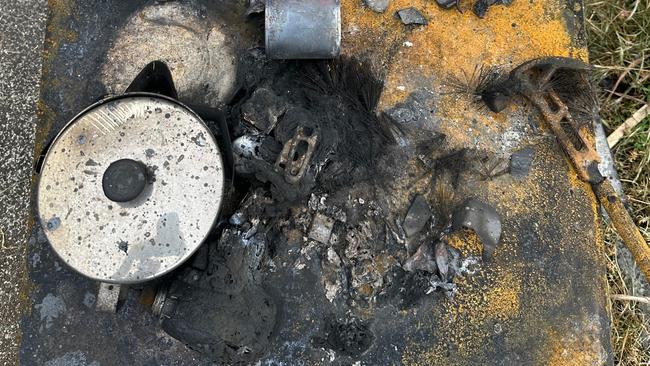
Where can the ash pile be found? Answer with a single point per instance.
(338, 216)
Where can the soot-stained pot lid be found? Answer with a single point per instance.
(130, 188)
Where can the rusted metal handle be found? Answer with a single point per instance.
(584, 156)
(529, 79)
(625, 226)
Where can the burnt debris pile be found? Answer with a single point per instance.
(313, 125)
(321, 221)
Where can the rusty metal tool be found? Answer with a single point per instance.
(533, 80)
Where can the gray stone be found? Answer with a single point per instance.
(481, 6)
(417, 217)
(411, 16)
(521, 162)
(417, 111)
(423, 260)
(447, 3)
(378, 6)
(321, 228)
(263, 109)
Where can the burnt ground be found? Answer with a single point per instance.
(348, 299)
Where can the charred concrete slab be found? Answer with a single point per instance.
(349, 301)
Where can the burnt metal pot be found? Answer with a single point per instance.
(133, 185)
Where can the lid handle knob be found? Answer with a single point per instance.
(124, 180)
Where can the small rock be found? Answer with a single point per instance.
(237, 219)
(446, 4)
(263, 109)
(417, 111)
(422, 260)
(442, 260)
(521, 162)
(321, 228)
(411, 16)
(334, 277)
(417, 217)
(378, 6)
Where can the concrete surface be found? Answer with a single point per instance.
(22, 32)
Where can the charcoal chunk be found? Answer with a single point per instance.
(422, 260)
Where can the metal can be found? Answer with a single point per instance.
(303, 29)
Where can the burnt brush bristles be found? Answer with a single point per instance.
(576, 88)
(359, 88)
(344, 94)
(482, 79)
(349, 78)
(482, 87)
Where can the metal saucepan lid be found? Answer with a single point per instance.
(130, 188)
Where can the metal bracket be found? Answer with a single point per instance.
(296, 155)
(107, 297)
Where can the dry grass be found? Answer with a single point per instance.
(619, 35)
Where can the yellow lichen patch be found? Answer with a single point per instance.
(516, 297)
(467, 242)
(369, 33)
(503, 301)
(577, 349)
(499, 299)
(454, 44)
(457, 43)
(576, 182)
(471, 318)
